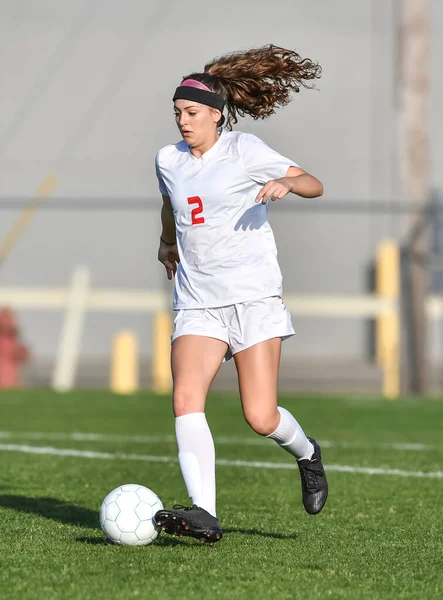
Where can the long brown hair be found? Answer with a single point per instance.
(257, 81)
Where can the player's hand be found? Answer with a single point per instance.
(274, 190)
(168, 256)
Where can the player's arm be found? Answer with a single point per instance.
(296, 181)
(168, 222)
(167, 252)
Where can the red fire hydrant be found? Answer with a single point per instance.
(12, 352)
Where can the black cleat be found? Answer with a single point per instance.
(313, 481)
(190, 520)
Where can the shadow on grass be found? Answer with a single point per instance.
(70, 514)
(265, 534)
(160, 541)
(51, 508)
(94, 541)
(167, 541)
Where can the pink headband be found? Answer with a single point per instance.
(195, 84)
(196, 91)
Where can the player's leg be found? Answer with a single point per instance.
(195, 361)
(258, 366)
(257, 369)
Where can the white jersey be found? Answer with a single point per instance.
(226, 246)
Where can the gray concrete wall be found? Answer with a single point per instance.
(86, 92)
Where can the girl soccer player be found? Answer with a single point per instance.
(216, 184)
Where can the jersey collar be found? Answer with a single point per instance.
(209, 153)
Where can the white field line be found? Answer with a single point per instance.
(228, 441)
(221, 462)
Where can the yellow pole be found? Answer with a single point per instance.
(161, 369)
(25, 217)
(388, 322)
(124, 363)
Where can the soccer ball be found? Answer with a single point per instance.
(127, 515)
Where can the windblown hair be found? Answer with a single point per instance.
(258, 81)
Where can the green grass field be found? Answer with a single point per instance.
(379, 536)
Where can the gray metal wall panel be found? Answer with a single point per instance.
(86, 91)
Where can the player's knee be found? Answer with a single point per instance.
(262, 423)
(186, 401)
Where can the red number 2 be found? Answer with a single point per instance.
(196, 211)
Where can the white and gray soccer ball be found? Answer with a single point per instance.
(127, 515)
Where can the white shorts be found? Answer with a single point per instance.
(239, 325)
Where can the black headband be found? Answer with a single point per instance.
(185, 92)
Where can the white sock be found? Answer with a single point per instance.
(196, 455)
(291, 437)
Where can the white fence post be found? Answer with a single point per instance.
(70, 339)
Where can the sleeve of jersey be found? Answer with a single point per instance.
(161, 183)
(261, 162)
